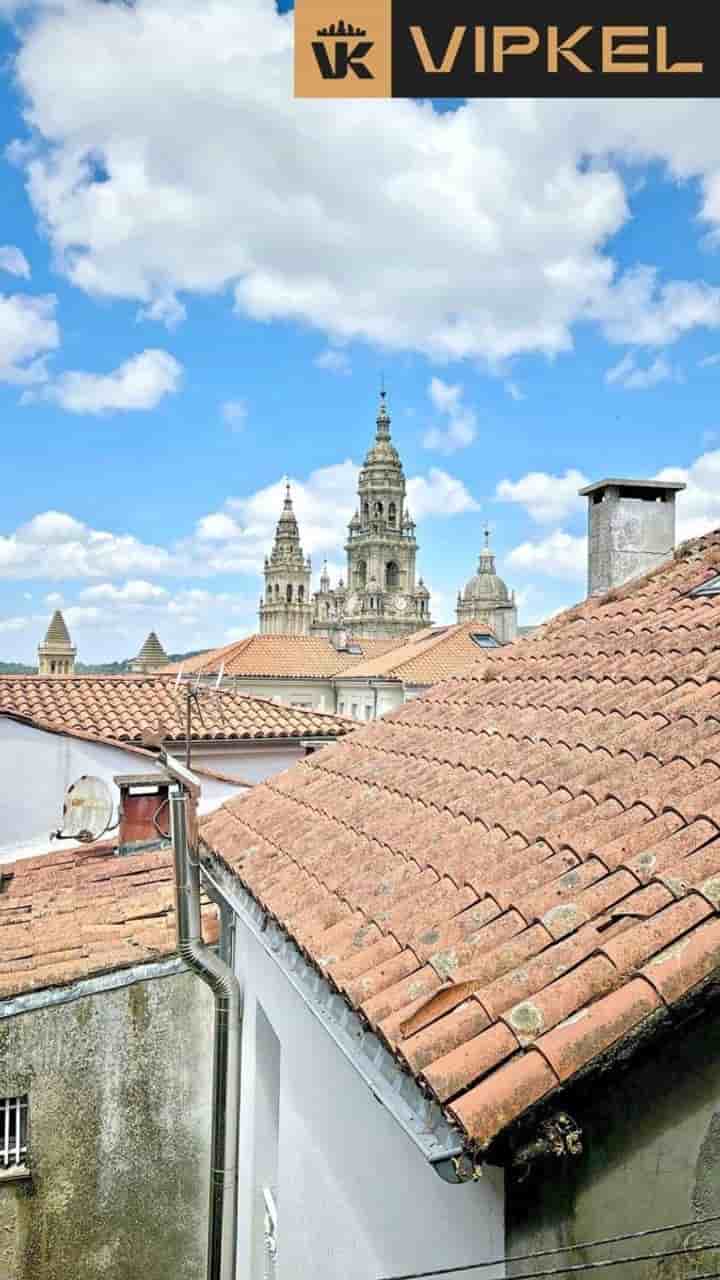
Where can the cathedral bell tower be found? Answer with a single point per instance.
(285, 608)
(383, 598)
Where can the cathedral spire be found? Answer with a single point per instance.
(383, 418)
(285, 607)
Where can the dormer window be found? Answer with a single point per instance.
(484, 640)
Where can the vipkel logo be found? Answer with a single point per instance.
(335, 55)
(460, 49)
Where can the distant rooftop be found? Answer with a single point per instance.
(146, 710)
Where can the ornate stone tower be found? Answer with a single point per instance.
(56, 654)
(382, 598)
(285, 609)
(487, 599)
(151, 657)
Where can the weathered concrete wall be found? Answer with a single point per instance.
(651, 1159)
(119, 1089)
(627, 538)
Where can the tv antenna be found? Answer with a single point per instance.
(193, 690)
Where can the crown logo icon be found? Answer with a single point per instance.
(341, 29)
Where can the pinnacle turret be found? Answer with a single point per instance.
(56, 654)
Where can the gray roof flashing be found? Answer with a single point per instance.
(661, 486)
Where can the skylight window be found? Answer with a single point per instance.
(484, 640)
(709, 588)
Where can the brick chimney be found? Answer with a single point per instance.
(144, 812)
(631, 529)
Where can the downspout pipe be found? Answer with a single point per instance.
(220, 977)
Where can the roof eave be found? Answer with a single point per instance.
(422, 1120)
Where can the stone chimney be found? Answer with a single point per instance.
(631, 529)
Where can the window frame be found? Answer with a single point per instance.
(14, 1147)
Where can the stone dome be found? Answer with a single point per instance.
(485, 586)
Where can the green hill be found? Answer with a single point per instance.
(90, 668)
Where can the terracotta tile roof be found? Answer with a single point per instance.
(288, 657)
(137, 709)
(74, 914)
(433, 654)
(520, 869)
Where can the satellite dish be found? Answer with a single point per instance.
(87, 811)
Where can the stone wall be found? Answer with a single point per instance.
(119, 1122)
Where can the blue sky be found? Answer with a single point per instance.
(203, 281)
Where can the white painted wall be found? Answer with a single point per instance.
(317, 695)
(247, 762)
(36, 768)
(356, 1199)
(363, 696)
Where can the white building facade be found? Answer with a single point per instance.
(342, 1167)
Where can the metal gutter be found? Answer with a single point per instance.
(221, 978)
(420, 1118)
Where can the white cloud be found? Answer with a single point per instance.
(698, 507)
(642, 311)
(138, 384)
(135, 592)
(218, 527)
(461, 429)
(237, 539)
(438, 494)
(54, 599)
(515, 392)
(165, 309)
(560, 555)
(564, 556)
(519, 199)
(333, 361)
(13, 624)
(13, 261)
(234, 413)
(55, 545)
(709, 362)
(28, 333)
(633, 377)
(546, 498)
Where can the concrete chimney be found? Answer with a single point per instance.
(631, 529)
